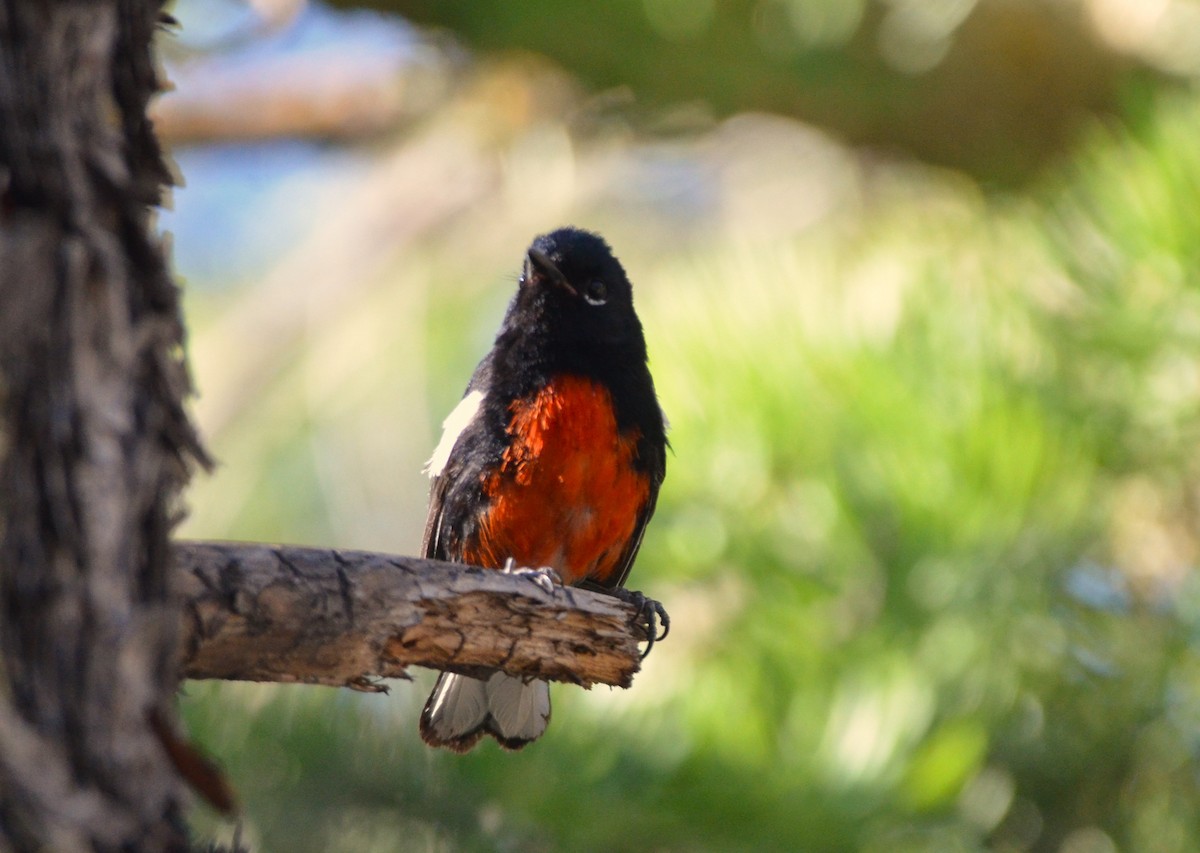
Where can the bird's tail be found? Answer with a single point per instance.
(461, 710)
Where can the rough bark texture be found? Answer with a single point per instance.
(94, 442)
(261, 613)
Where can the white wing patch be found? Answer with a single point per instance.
(452, 427)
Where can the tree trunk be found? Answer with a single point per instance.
(94, 442)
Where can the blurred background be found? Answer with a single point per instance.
(920, 284)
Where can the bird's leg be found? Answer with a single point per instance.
(544, 578)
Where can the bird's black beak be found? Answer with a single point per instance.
(539, 268)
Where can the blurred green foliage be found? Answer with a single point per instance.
(928, 537)
(995, 87)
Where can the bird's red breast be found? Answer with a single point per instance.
(567, 493)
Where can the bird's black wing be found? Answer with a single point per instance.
(432, 545)
(625, 565)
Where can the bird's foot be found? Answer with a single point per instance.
(545, 578)
(651, 614)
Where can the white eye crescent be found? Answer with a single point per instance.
(596, 293)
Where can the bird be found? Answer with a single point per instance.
(553, 459)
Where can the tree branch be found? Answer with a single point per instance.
(316, 616)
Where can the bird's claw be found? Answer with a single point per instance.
(651, 614)
(545, 578)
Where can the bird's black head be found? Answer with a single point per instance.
(576, 293)
(573, 315)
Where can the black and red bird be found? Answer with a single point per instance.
(553, 458)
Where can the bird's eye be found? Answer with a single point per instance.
(596, 293)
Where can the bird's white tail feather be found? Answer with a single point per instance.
(519, 710)
(461, 710)
(455, 713)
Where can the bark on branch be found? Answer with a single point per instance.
(317, 616)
